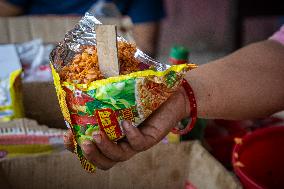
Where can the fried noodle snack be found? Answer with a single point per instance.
(85, 67)
(90, 102)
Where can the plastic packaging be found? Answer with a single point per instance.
(10, 84)
(34, 57)
(103, 104)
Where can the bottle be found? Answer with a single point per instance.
(179, 55)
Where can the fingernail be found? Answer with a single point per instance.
(126, 124)
(97, 136)
(86, 146)
(65, 137)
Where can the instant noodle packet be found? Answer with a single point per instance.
(90, 102)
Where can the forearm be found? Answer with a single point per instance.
(8, 9)
(146, 37)
(246, 84)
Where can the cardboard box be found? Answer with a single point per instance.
(44, 107)
(51, 29)
(25, 137)
(165, 166)
(22, 29)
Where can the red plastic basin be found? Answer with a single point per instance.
(262, 154)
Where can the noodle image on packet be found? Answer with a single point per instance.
(91, 102)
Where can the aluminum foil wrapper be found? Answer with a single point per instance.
(84, 33)
(102, 105)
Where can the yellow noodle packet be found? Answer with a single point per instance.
(103, 104)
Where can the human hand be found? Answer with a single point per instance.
(105, 153)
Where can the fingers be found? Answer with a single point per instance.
(141, 139)
(104, 153)
(68, 141)
(111, 150)
(92, 153)
(135, 137)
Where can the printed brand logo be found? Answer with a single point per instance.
(108, 122)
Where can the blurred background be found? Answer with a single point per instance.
(208, 29)
(211, 29)
(205, 30)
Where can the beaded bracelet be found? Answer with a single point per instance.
(193, 110)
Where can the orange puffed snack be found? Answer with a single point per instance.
(84, 67)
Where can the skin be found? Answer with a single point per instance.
(104, 154)
(146, 36)
(8, 9)
(245, 84)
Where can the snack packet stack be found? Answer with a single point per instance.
(22, 137)
(91, 102)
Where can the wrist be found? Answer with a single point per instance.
(185, 110)
(189, 104)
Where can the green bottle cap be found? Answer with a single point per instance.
(179, 53)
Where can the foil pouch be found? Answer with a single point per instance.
(104, 104)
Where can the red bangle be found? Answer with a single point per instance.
(193, 110)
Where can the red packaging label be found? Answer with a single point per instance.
(83, 120)
(108, 122)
